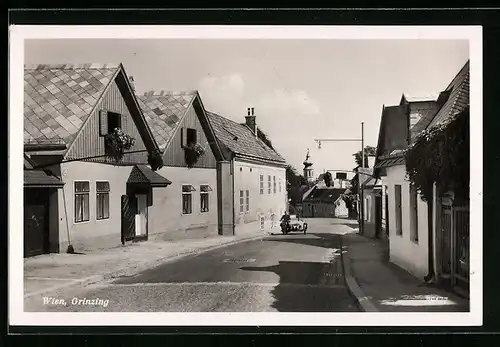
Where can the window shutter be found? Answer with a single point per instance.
(103, 122)
(183, 137)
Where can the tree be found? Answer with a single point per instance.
(296, 184)
(369, 151)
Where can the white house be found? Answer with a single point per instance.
(253, 175)
(412, 243)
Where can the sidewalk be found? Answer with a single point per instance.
(381, 286)
(51, 272)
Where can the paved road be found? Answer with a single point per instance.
(292, 273)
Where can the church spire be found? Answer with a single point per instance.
(308, 170)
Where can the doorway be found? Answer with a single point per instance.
(141, 218)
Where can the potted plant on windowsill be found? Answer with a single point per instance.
(117, 143)
(192, 152)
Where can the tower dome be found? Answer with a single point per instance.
(308, 167)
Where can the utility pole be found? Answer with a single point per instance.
(360, 193)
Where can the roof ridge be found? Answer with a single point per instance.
(460, 91)
(162, 92)
(72, 66)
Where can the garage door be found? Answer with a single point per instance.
(36, 228)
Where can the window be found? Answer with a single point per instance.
(247, 201)
(82, 192)
(280, 184)
(204, 197)
(399, 216)
(365, 208)
(274, 184)
(414, 213)
(269, 184)
(102, 200)
(109, 121)
(188, 136)
(187, 199)
(114, 121)
(242, 201)
(261, 184)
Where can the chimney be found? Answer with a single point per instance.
(131, 80)
(250, 120)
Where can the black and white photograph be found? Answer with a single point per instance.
(245, 175)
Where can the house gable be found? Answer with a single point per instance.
(117, 101)
(239, 140)
(169, 115)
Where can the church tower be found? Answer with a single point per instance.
(308, 168)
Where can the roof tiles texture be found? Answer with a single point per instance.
(59, 98)
(458, 99)
(240, 139)
(164, 112)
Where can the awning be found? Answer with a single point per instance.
(41, 179)
(141, 174)
(390, 162)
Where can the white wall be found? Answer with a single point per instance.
(165, 215)
(404, 252)
(94, 233)
(247, 177)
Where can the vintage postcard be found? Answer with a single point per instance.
(254, 175)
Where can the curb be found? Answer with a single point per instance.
(83, 282)
(364, 302)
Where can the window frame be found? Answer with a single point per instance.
(207, 195)
(261, 184)
(242, 202)
(247, 201)
(75, 194)
(190, 194)
(398, 209)
(274, 184)
(413, 196)
(105, 193)
(269, 187)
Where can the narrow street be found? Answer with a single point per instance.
(283, 273)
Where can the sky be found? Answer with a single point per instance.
(301, 89)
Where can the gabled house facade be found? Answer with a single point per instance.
(252, 176)
(190, 206)
(404, 214)
(413, 223)
(70, 114)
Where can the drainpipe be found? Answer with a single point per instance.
(70, 248)
(431, 275)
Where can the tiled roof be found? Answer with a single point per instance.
(393, 131)
(239, 139)
(327, 195)
(163, 113)
(143, 174)
(390, 161)
(39, 178)
(427, 111)
(458, 98)
(59, 98)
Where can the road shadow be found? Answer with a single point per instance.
(308, 287)
(317, 240)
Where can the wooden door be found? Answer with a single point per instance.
(36, 222)
(128, 218)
